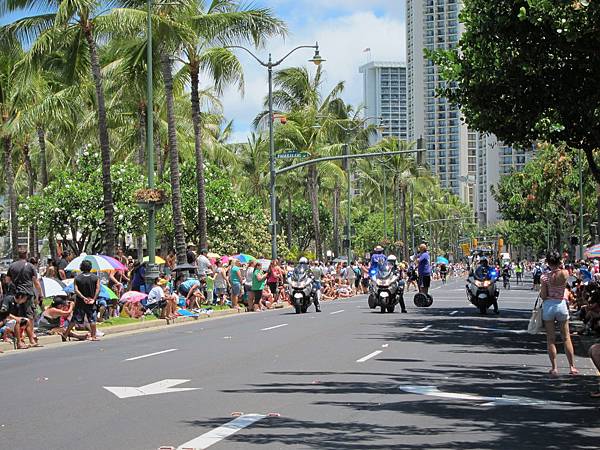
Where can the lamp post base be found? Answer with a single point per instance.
(152, 273)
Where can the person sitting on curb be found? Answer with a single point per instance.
(11, 323)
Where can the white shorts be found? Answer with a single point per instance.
(555, 310)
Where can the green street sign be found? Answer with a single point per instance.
(292, 154)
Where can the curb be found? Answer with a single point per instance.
(143, 325)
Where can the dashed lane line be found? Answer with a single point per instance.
(369, 356)
(151, 354)
(276, 326)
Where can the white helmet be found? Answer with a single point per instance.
(303, 260)
(392, 258)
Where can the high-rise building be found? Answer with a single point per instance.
(466, 162)
(384, 90)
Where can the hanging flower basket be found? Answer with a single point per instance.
(150, 198)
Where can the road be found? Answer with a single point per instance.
(347, 378)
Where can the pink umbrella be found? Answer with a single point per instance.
(225, 259)
(133, 297)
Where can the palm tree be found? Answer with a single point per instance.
(73, 27)
(10, 53)
(298, 95)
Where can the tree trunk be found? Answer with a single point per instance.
(31, 227)
(200, 184)
(109, 223)
(289, 221)
(12, 197)
(44, 180)
(180, 247)
(403, 225)
(336, 218)
(313, 192)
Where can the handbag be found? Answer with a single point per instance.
(536, 324)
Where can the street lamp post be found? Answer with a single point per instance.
(317, 60)
(580, 205)
(152, 268)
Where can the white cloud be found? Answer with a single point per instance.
(341, 38)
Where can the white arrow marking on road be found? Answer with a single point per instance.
(453, 312)
(433, 391)
(369, 356)
(272, 328)
(337, 312)
(497, 330)
(426, 328)
(218, 434)
(152, 354)
(160, 387)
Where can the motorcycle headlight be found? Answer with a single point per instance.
(383, 283)
(486, 283)
(478, 283)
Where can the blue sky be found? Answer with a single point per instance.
(344, 28)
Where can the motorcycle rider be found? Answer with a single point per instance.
(317, 273)
(397, 271)
(481, 272)
(377, 258)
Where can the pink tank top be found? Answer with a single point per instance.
(556, 289)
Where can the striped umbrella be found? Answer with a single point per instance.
(100, 263)
(592, 252)
(105, 291)
(244, 258)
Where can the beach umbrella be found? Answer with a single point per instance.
(105, 291)
(442, 260)
(244, 258)
(52, 287)
(133, 297)
(157, 258)
(592, 252)
(117, 265)
(99, 263)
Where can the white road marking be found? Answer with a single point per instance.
(453, 312)
(160, 387)
(337, 312)
(433, 391)
(369, 356)
(222, 432)
(497, 330)
(426, 328)
(151, 354)
(276, 326)
(385, 345)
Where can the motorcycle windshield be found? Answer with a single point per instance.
(384, 271)
(299, 274)
(481, 273)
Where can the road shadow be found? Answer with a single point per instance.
(568, 420)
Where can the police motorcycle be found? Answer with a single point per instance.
(301, 287)
(481, 287)
(386, 288)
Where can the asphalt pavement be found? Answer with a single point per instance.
(346, 378)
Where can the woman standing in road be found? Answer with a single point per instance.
(555, 309)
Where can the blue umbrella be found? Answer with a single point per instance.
(441, 260)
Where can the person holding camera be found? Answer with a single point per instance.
(87, 288)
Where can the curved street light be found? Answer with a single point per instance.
(317, 60)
